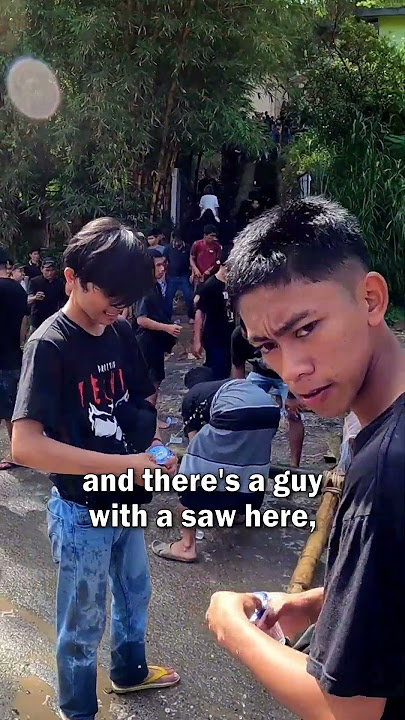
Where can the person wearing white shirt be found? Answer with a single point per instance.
(209, 201)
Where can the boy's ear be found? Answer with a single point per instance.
(69, 275)
(376, 295)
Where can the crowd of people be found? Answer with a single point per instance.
(294, 297)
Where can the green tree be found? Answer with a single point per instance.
(141, 81)
(352, 107)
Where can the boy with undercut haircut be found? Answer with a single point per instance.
(83, 407)
(301, 277)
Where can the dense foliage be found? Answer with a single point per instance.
(352, 108)
(141, 80)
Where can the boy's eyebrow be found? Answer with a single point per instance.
(284, 328)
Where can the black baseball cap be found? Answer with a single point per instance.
(48, 262)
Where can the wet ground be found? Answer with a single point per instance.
(213, 686)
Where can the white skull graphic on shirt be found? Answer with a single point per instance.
(103, 422)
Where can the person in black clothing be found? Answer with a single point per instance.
(33, 269)
(214, 324)
(46, 293)
(249, 210)
(196, 403)
(155, 331)
(13, 310)
(83, 396)
(300, 276)
(242, 352)
(178, 274)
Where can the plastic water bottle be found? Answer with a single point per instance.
(262, 618)
(160, 453)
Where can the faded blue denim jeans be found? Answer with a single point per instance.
(87, 558)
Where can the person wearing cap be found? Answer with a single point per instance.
(17, 273)
(46, 293)
(13, 309)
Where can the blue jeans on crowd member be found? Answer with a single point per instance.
(182, 283)
(87, 558)
(274, 386)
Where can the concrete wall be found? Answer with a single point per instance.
(263, 101)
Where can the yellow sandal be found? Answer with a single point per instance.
(149, 683)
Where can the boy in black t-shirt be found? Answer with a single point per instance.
(33, 269)
(46, 293)
(13, 311)
(214, 324)
(300, 275)
(178, 274)
(82, 407)
(156, 333)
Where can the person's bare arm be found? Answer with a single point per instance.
(30, 447)
(279, 668)
(148, 324)
(197, 336)
(23, 330)
(194, 267)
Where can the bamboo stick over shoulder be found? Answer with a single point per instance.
(317, 541)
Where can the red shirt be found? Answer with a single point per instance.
(206, 255)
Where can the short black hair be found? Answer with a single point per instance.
(154, 253)
(310, 239)
(155, 232)
(34, 249)
(210, 230)
(198, 375)
(111, 255)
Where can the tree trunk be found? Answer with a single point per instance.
(163, 160)
(197, 172)
(246, 184)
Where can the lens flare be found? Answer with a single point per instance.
(33, 88)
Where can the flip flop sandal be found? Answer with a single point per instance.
(150, 683)
(163, 550)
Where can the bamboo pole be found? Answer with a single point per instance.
(316, 543)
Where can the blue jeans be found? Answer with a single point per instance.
(273, 386)
(182, 283)
(87, 557)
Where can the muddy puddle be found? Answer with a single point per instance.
(34, 698)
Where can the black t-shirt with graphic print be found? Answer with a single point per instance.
(87, 392)
(358, 644)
